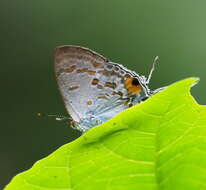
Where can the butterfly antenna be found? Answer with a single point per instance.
(57, 117)
(156, 59)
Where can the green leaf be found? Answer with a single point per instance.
(159, 144)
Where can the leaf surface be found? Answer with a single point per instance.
(157, 145)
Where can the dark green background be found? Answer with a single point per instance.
(130, 32)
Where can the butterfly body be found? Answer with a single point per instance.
(93, 88)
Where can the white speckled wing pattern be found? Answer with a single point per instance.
(93, 88)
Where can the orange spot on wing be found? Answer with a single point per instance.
(132, 86)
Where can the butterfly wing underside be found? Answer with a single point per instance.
(90, 85)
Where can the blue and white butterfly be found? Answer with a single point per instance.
(95, 89)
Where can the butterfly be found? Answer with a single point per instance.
(95, 89)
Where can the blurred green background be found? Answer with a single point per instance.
(128, 32)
